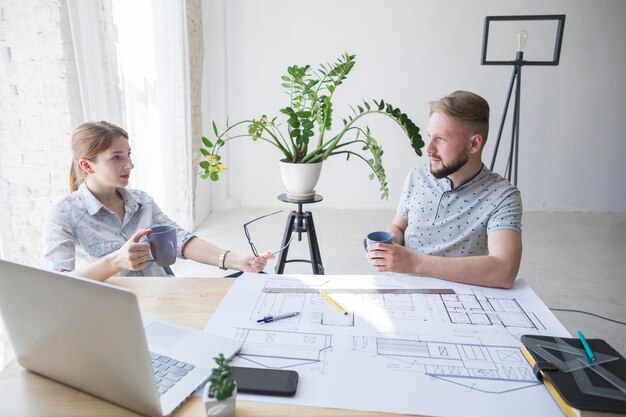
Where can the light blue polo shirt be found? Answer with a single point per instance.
(447, 222)
(79, 227)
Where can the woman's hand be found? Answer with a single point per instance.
(134, 255)
(251, 263)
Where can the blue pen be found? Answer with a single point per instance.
(268, 319)
(590, 355)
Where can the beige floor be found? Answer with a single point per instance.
(572, 261)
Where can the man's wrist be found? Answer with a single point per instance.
(416, 262)
(395, 239)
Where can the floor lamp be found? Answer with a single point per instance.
(542, 25)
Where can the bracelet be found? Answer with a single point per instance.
(222, 258)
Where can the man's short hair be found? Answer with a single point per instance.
(469, 108)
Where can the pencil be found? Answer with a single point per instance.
(333, 302)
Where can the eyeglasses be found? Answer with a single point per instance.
(254, 250)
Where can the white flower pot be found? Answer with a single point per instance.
(300, 179)
(224, 408)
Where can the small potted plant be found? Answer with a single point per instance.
(220, 393)
(304, 137)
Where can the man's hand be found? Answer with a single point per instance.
(392, 258)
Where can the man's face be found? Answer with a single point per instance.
(447, 146)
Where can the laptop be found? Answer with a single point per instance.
(90, 335)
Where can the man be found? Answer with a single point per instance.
(457, 221)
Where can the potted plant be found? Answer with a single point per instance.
(220, 393)
(305, 137)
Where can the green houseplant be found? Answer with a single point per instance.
(221, 391)
(305, 136)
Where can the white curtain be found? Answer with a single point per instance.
(133, 70)
(153, 68)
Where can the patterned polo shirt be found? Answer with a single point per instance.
(79, 227)
(455, 222)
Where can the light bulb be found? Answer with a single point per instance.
(521, 36)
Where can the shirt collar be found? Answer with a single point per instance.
(93, 205)
(483, 171)
(131, 203)
(446, 184)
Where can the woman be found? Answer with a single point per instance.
(102, 222)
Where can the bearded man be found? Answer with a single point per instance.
(456, 220)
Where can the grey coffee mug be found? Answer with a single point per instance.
(377, 237)
(163, 245)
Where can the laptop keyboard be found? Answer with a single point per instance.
(168, 371)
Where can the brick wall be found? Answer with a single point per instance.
(39, 106)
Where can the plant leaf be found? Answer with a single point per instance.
(207, 142)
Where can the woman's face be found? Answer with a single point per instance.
(112, 167)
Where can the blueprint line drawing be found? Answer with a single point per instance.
(431, 352)
(452, 360)
(282, 349)
(476, 308)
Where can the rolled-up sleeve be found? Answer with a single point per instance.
(161, 219)
(59, 247)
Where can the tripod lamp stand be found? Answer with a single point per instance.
(501, 33)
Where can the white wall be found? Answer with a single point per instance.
(572, 143)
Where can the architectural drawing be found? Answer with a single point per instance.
(283, 349)
(436, 338)
(477, 309)
(473, 365)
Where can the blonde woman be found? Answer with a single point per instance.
(101, 222)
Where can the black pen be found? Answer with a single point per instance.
(268, 319)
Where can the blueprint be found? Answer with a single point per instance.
(408, 344)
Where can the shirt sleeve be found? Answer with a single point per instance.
(59, 246)
(508, 214)
(161, 219)
(403, 204)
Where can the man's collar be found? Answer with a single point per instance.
(481, 172)
(447, 183)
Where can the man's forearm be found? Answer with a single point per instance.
(488, 271)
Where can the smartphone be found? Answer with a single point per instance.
(265, 381)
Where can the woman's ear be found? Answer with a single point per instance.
(85, 165)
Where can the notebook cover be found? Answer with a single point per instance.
(583, 388)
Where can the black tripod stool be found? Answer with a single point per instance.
(301, 222)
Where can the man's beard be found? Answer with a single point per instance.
(449, 169)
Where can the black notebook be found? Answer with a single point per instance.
(574, 382)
